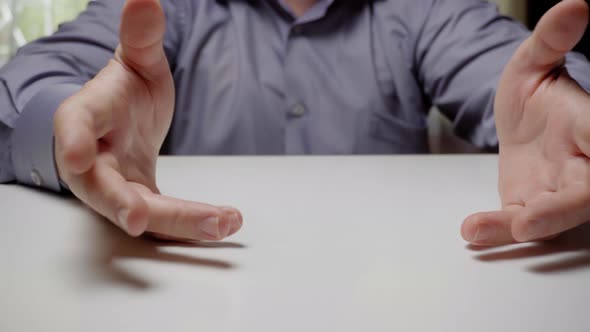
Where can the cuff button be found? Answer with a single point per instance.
(36, 178)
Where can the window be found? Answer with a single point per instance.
(25, 20)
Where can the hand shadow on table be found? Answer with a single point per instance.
(572, 247)
(110, 246)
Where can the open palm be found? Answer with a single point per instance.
(108, 137)
(543, 123)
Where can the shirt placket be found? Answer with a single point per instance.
(297, 111)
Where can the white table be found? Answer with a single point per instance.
(329, 244)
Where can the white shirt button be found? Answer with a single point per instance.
(298, 110)
(36, 178)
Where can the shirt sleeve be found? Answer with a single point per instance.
(6, 170)
(462, 47)
(46, 72)
(32, 138)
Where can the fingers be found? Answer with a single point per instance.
(107, 192)
(175, 218)
(75, 140)
(142, 30)
(136, 209)
(552, 213)
(88, 116)
(488, 228)
(494, 228)
(544, 217)
(557, 33)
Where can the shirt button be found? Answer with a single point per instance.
(36, 178)
(298, 110)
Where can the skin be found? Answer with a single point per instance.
(300, 7)
(544, 130)
(108, 137)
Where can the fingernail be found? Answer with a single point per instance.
(484, 233)
(210, 226)
(535, 231)
(225, 226)
(235, 223)
(123, 217)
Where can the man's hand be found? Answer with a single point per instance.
(108, 137)
(543, 123)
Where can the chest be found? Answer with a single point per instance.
(249, 82)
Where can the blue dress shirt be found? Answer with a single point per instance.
(348, 77)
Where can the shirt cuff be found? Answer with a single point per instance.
(6, 171)
(32, 138)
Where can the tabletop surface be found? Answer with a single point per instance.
(328, 244)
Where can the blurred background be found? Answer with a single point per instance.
(26, 20)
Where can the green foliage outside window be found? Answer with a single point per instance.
(22, 21)
(33, 17)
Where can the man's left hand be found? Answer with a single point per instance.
(543, 122)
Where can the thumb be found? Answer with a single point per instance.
(142, 30)
(557, 33)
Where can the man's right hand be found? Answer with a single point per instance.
(108, 137)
